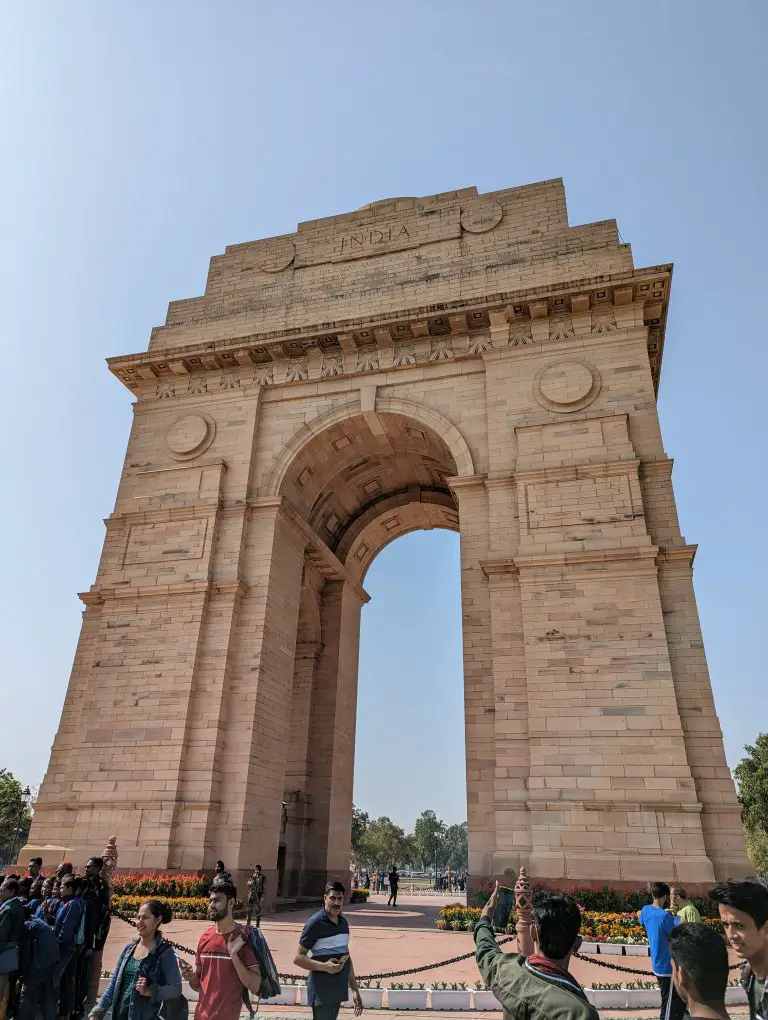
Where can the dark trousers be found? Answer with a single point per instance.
(392, 896)
(82, 977)
(38, 996)
(65, 973)
(672, 1006)
(329, 1012)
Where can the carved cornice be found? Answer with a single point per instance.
(618, 558)
(676, 555)
(189, 512)
(97, 596)
(661, 468)
(629, 560)
(604, 306)
(591, 469)
(462, 484)
(503, 567)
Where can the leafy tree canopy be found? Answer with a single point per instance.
(15, 816)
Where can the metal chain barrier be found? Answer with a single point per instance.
(585, 958)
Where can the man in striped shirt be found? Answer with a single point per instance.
(224, 962)
(324, 952)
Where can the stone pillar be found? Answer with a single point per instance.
(332, 739)
(251, 757)
(297, 768)
(720, 811)
(479, 694)
(510, 720)
(195, 839)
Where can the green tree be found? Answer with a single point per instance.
(752, 777)
(757, 849)
(428, 838)
(383, 844)
(15, 816)
(360, 823)
(456, 847)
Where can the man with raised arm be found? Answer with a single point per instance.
(539, 987)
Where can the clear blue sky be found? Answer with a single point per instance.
(140, 138)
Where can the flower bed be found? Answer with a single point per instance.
(596, 926)
(599, 899)
(457, 917)
(192, 908)
(359, 896)
(162, 886)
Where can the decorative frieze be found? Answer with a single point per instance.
(436, 338)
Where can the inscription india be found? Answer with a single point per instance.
(370, 238)
(317, 243)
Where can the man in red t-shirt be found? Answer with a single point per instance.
(224, 962)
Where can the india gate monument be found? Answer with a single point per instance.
(461, 361)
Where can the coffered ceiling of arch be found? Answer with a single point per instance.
(350, 469)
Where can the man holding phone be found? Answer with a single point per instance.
(331, 975)
(539, 986)
(224, 962)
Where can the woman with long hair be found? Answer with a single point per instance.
(147, 974)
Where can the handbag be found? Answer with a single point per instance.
(9, 959)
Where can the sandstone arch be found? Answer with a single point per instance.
(375, 372)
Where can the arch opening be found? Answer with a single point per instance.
(410, 736)
(359, 483)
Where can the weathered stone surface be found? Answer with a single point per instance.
(460, 361)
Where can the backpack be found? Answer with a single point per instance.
(270, 983)
(39, 951)
(170, 1009)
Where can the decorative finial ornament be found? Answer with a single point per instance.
(523, 909)
(109, 856)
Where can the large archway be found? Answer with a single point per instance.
(464, 361)
(359, 483)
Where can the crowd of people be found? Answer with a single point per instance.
(51, 929)
(52, 933)
(382, 882)
(689, 958)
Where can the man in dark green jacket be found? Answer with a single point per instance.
(540, 987)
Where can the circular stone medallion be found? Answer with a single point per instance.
(277, 256)
(566, 386)
(478, 217)
(190, 436)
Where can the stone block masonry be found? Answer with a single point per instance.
(462, 361)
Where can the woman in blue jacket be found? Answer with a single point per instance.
(147, 974)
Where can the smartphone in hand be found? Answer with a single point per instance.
(504, 904)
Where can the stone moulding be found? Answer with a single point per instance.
(264, 361)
